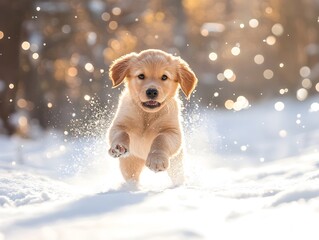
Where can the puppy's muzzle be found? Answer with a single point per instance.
(151, 93)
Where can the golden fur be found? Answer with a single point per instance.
(146, 130)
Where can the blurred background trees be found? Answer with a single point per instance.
(54, 55)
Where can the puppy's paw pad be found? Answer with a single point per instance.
(157, 164)
(118, 150)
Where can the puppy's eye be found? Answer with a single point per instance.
(164, 77)
(141, 76)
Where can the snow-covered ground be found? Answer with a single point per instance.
(252, 174)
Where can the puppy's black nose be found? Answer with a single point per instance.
(151, 93)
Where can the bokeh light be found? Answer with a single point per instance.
(279, 106)
(66, 28)
(87, 97)
(268, 74)
(314, 107)
(243, 148)
(306, 83)
(241, 103)
(259, 59)
(72, 71)
(304, 71)
(22, 103)
(229, 104)
(35, 56)
(89, 67)
(277, 29)
(25, 45)
(116, 11)
(213, 56)
(270, 40)
(283, 133)
(235, 51)
(220, 77)
(302, 94)
(113, 25)
(253, 23)
(105, 16)
(228, 73)
(283, 91)
(268, 10)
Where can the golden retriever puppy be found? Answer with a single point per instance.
(146, 130)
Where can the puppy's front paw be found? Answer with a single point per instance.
(118, 150)
(157, 162)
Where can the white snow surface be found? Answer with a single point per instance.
(252, 174)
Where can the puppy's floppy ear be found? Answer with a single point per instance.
(186, 78)
(119, 69)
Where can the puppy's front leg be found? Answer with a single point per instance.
(165, 145)
(119, 142)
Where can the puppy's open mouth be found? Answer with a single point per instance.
(151, 104)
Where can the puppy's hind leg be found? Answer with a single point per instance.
(131, 168)
(176, 169)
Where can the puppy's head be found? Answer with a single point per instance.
(153, 77)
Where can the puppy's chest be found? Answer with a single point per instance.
(145, 127)
(142, 135)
